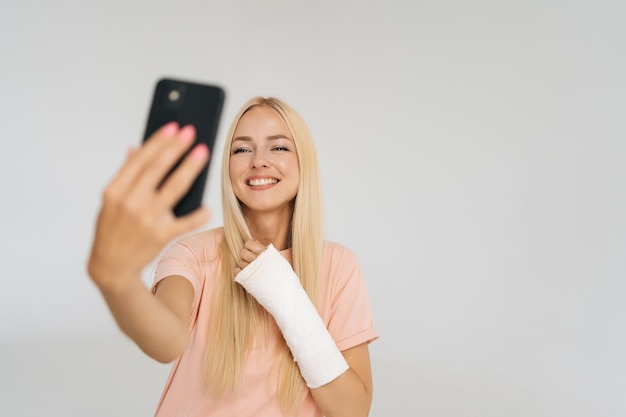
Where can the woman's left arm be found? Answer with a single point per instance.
(349, 395)
(340, 382)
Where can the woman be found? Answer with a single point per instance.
(232, 306)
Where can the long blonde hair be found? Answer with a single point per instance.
(236, 315)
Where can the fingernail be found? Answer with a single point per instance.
(200, 152)
(187, 133)
(169, 129)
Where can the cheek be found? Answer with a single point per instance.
(291, 166)
(235, 182)
(234, 170)
(296, 170)
(294, 175)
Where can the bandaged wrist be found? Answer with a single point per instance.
(273, 283)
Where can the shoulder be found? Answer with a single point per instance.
(339, 258)
(338, 252)
(203, 238)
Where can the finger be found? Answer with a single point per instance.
(137, 158)
(132, 151)
(179, 182)
(120, 192)
(247, 255)
(254, 246)
(167, 154)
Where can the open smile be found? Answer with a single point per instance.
(260, 182)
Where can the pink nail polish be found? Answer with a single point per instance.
(200, 152)
(169, 129)
(187, 133)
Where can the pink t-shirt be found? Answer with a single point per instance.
(343, 304)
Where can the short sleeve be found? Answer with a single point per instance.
(350, 320)
(182, 259)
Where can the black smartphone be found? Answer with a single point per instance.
(187, 103)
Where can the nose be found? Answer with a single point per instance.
(260, 160)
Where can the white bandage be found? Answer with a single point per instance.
(273, 283)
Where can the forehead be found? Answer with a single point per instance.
(261, 121)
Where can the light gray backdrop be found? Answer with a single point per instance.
(472, 155)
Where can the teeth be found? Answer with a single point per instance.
(264, 181)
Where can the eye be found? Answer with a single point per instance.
(240, 150)
(280, 148)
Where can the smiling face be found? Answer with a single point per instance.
(263, 165)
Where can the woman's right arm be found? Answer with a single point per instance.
(157, 324)
(134, 224)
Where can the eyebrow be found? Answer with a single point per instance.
(249, 139)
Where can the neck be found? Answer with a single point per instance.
(271, 228)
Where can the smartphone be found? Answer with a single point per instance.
(187, 103)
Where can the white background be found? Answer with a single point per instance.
(472, 155)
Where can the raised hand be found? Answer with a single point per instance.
(136, 219)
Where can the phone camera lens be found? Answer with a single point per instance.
(174, 95)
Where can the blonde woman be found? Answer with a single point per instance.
(261, 317)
